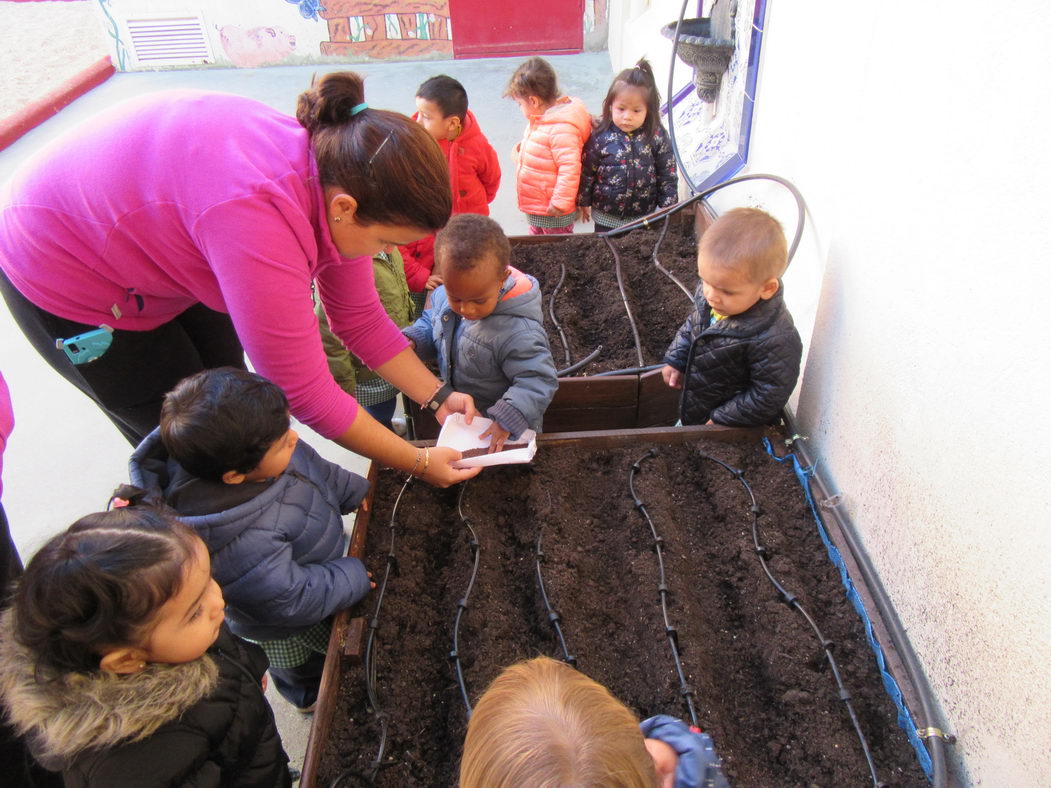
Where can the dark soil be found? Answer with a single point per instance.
(482, 451)
(763, 688)
(588, 304)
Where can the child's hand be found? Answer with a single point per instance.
(457, 402)
(585, 213)
(672, 376)
(433, 281)
(372, 583)
(553, 211)
(264, 682)
(665, 761)
(497, 437)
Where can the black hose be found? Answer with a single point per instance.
(661, 268)
(553, 616)
(646, 221)
(793, 602)
(554, 320)
(461, 605)
(662, 588)
(369, 776)
(899, 638)
(624, 298)
(628, 371)
(582, 363)
(671, 95)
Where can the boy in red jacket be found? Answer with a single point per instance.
(474, 170)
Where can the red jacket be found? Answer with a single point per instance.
(474, 177)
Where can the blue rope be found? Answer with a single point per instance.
(905, 720)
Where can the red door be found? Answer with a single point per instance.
(490, 28)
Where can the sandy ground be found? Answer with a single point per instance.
(44, 44)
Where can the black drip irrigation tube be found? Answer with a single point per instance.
(368, 777)
(554, 320)
(658, 544)
(934, 737)
(792, 601)
(624, 296)
(553, 616)
(580, 364)
(661, 268)
(461, 605)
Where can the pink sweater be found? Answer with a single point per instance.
(185, 197)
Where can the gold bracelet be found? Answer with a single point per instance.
(415, 465)
(426, 460)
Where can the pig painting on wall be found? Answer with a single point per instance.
(256, 46)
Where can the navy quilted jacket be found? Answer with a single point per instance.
(628, 175)
(743, 368)
(279, 556)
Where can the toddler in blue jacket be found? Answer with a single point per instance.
(485, 326)
(269, 509)
(542, 722)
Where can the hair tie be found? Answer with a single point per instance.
(358, 108)
(118, 503)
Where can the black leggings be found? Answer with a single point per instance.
(129, 381)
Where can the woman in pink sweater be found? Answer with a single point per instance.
(196, 224)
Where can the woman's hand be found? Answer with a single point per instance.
(585, 213)
(457, 402)
(441, 474)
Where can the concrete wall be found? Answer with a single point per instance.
(918, 133)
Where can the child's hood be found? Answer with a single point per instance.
(520, 297)
(571, 110)
(61, 716)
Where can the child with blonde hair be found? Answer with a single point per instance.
(737, 356)
(544, 724)
(548, 159)
(116, 667)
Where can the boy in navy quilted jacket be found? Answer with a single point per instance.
(737, 356)
(269, 509)
(629, 168)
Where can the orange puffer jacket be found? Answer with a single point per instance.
(547, 160)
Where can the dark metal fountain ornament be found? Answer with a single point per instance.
(703, 49)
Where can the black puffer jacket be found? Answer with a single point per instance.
(743, 368)
(203, 723)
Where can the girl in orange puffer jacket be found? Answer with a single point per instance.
(548, 159)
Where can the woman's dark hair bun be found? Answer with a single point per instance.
(329, 100)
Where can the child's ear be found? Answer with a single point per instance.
(453, 127)
(769, 289)
(534, 103)
(123, 660)
(233, 477)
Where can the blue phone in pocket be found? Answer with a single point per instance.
(85, 348)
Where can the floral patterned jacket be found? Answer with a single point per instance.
(628, 175)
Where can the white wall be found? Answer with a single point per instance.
(918, 133)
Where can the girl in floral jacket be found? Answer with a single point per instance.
(629, 168)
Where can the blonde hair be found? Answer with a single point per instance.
(545, 725)
(748, 239)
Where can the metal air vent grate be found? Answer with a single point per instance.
(169, 40)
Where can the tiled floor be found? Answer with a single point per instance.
(64, 457)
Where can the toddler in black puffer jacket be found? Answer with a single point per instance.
(737, 356)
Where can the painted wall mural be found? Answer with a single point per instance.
(384, 29)
(253, 33)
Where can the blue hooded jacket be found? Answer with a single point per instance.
(278, 556)
(699, 765)
(503, 360)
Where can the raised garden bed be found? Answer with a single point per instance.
(762, 686)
